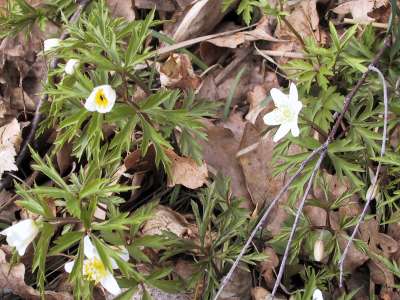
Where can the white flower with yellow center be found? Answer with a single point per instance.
(286, 112)
(20, 235)
(71, 65)
(51, 44)
(101, 99)
(95, 270)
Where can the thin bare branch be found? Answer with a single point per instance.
(374, 180)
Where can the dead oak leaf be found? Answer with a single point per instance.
(359, 9)
(122, 8)
(10, 138)
(186, 171)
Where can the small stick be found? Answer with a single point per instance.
(374, 180)
(373, 24)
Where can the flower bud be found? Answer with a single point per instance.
(50, 44)
(319, 250)
(70, 66)
(317, 295)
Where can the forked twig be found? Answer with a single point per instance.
(36, 118)
(322, 149)
(370, 196)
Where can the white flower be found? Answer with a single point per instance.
(94, 269)
(20, 235)
(101, 99)
(317, 295)
(50, 44)
(286, 112)
(71, 65)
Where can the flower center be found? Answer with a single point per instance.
(101, 99)
(94, 270)
(286, 113)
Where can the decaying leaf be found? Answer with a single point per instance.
(177, 72)
(360, 9)
(12, 279)
(166, 219)
(186, 171)
(259, 293)
(163, 5)
(10, 138)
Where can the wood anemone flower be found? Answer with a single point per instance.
(286, 112)
(101, 99)
(20, 235)
(95, 270)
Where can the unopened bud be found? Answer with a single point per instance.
(318, 250)
(317, 295)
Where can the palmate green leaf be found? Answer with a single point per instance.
(138, 254)
(127, 295)
(65, 241)
(102, 249)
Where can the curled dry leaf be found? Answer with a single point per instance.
(166, 219)
(261, 32)
(360, 9)
(177, 72)
(10, 138)
(12, 279)
(186, 171)
(259, 293)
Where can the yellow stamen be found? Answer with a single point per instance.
(101, 99)
(94, 270)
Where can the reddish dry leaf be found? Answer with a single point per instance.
(186, 171)
(177, 72)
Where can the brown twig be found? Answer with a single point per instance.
(36, 118)
(321, 150)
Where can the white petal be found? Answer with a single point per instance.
(110, 284)
(90, 103)
(123, 253)
(51, 44)
(281, 132)
(297, 106)
(69, 266)
(317, 295)
(278, 97)
(20, 235)
(295, 129)
(293, 95)
(88, 248)
(273, 118)
(71, 65)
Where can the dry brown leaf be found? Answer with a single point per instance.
(198, 19)
(236, 124)
(261, 32)
(219, 152)
(360, 9)
(64, 158)
(166, 219)
(12, 278)
(186, 171)
(259, 293)
(267, 267)
(10, 138)
(122, 8)
(163, 5)
(238, 288)
(177, 72)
